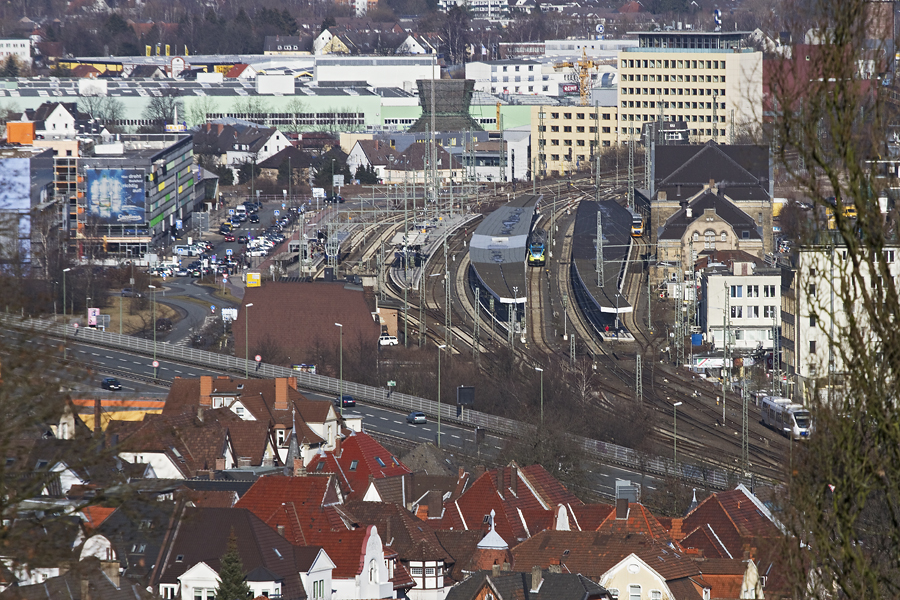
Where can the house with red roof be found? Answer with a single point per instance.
(525, 501)
(357, 460)
(363, 567)
(241, 71)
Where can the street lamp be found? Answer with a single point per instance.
(341, 372)
(65, 325)
(541, 371)
(675, 433)
(153, 287)
(617, 315)
(440, 348)
(247, 341)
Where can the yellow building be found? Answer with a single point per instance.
(567, 136)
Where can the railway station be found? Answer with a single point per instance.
(598, 290)
(497, 254)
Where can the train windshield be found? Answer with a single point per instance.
(803, 419)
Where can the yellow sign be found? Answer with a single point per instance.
(253, 280)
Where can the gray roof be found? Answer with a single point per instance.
(742, 171)
(497, 248)
(616, 221)
(506, 586)
(740, 221)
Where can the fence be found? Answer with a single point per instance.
(601, 451)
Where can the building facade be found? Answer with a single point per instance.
(567, 137)
(709, 80)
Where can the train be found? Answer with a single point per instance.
(537, 248)
(637, 224)
(787, 418)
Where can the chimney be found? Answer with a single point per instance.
(621, 508)
(435, 504)
(281, 393)
(712, 184)
(200, 413)
(220, 464)
(479, 471)
(337, 445)
(221, 128)
(111, 568)
(555, 567)
(661, 195)
(689, 212)
(280, 530)
(206, 388)
(500, 482)
(536, 579)
(212, 474)
(292, 382)
(243, 462)
(495, 570)
(299, 468)
(514, 480)
(505, 567)
(97, 412)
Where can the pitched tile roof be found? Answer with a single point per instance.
(302, 505)
(639, 520)
(725, 209)
(211, 498)
(346, 549)
(516, 585)
(359, 458)
(274, 318)
(741, 170)
(409, 536)
(461, 545)
(95, 515)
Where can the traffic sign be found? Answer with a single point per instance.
(599, 28)
(258, 358)
(228, 251)
(155, 364)
(224, 276)
(75, 325)
(179, 251)
(212, 308)
(230, 211)
(283, 205)
(179, 224)
(392, 384)
(277, 212)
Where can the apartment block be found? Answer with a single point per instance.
(708, 79)
(567, 136)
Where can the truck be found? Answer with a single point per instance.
(240, 211)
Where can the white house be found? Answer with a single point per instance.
(316, 574)
(368, 574)
(634, 579)
(20, 48)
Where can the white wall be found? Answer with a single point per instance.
(160, 462)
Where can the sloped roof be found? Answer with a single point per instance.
(462, 545)
(740, 222)
(409, 536)
(741, 170)
(71, 586)
(360, 457)
(95, 515)
(298, 159)
(736, 520)
(516, 585)
(300, 504)
(639, 520)
(346, 549)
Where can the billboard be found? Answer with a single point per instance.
(253, 280)
(569, 88)
(116, 195)
(15, 184)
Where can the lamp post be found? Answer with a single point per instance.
(65, 325)
(541, 371)
(341, 372)
(617, 315)
(440, 349)
(247, 341)
(153, 287)
(675, 433)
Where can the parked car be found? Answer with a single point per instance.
(254, 218)
(417, 418)
(387, 340)
(229, 237)
(181, 272)
(111, 383)
(130, 293)
(345, 401)
(242, 239)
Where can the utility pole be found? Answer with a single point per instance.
(572, 350)
(510, 324)
(405, 268)
(638, 381)
(726, 338)
(598, 258)
(776, 353)
(422, 307)
(448, 320)
(476, 324)
(631, 169)
(745, 426)
(649, 307)
(679, 316)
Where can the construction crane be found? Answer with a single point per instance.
(583, 67)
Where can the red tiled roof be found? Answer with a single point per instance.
(402, 580)
(95, 515)
(589, 516)
(346, 549)
(360, 457)
(704, 539)
(640, 520)
(736, 519)
(302, 505)
(211, 498)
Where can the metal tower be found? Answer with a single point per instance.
(541, 156)
(422, 325)
(598, 246)
(631, 169)
(476, 324)
(448, 321)
(745, 427)
(726, 343)
(638, 380)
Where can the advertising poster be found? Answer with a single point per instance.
(253, 280)
(116, 196)
(93, 313)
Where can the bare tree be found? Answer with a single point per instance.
(200, 109)
(163, 108)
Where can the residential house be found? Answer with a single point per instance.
(190, 558)
(241, 71)
(409, 165)
(539, 584)
(287, 45)
(752, 294)
(420, 43)
(89, 579)
(363, 568)
(316, 569)
(290, 160)
(357, 460)
(525, 501)
(239, 142)
(274, 404)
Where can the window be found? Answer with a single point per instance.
(614, 593)
(812, 290)
(737, 291)
(373, 571)
(353, 465)
(812, 320)
(769, 291)
(723, 237)
(753, 291)
(709, 240)
(752, 312)
(279, 435)
(769, 312)
(737, 312)
(415, 571)
(634, 592)
(429, 571)
(812, 346)
(379, 461)
(320, 465)
(655, 595)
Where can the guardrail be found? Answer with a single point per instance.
(602, 451)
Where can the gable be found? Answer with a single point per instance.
(633, 570)
(322, 562)
(201, 571)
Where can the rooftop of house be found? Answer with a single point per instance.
(509, 584)
(744, 226)
(742, 171)
(358, 458)
(409, 536)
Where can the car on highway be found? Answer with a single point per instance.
(229, 237)
(416, 418)
(387, 340)
(345, 401)
(111, 383)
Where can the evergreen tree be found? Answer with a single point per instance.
(11, 67)
(231, 574)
